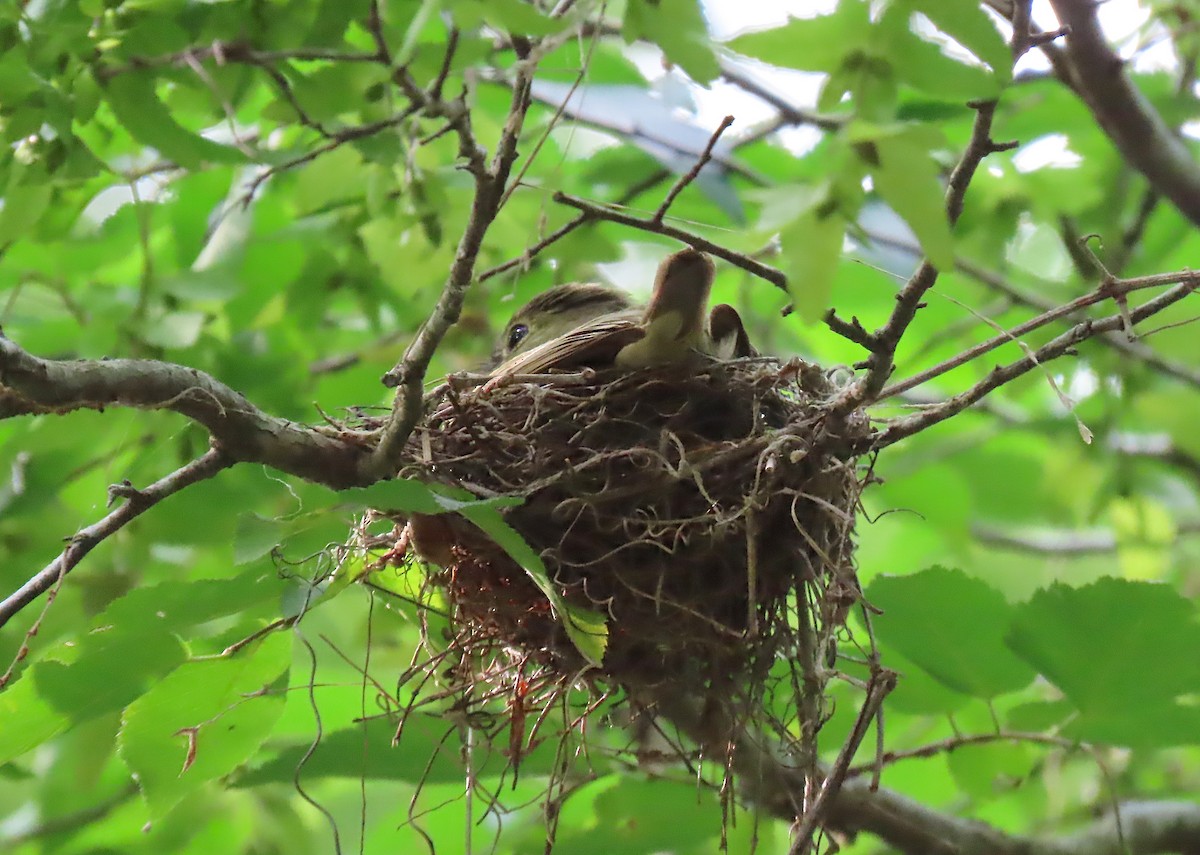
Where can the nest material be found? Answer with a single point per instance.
(706, 512)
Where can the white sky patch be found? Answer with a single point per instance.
(1083, 384)
(1047, 151)
(728, 18)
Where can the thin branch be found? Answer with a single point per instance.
(336, 140)
(1110, 289)
(882, 682)
(241, 430)
(994, 281)
(227, 52)
(691, 175)
(788, 112)
(1131, 122)
(900, 428)
(584, 218)
(1063, 544)
(525, 257)
(885, 340)
(906, 825)
(84, 541)
(648, 224)
(490, 182)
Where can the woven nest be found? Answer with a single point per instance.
(707, 513)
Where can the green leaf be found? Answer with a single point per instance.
(922, 64)
(951, 626)
(907, 177)
(812, 247)
(587, 629)
(174, 606)
(973, 28)
(23, 206)
(509, 16)
(398, 494)
(1120, 667)
(820, 43)
(137, 108)
(203, 720)
(108, 671)
(256, 536)
(371, 750)
(678, 27)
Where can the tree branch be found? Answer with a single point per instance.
(779, 787)
(1130, 121)
(884, 341)
(1115, 289)
(649, 224)
(1115, 340)
(900, 428)
(490, 183)
(84, 541)
(240, 430)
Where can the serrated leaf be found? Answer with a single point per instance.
(819, 43)
(137, 108)
(1098, 646)
(419, 756)
(110, 670)
(952, 627)
(922, 64)
(397, 494)
(907, 178)
(203, 720)
(173, 606)
(23, 206)
(970, 26)
(256, 536)
(678, 27)
(812, 247)
(587, 629)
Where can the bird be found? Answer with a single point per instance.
(673, 321)
(555, 312)
(727, 336)
(589, 325)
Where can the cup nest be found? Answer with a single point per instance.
(706, 512)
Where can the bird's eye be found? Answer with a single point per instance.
(516, 335)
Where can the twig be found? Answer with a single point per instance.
(884, 341)
(882, 682)
(490, 182)
(84, 541)
(336, 140)
(564, 230)
(691, 174)
(1116, 341)
(648, 224)
(900, 428)
(225, 52)
(1113, 289)
(787, 111)
(1130, 121)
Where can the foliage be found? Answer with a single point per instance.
(247, 189)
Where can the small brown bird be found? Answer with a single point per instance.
(673, 323)
(554, 313)
(727, 336)
(572, 326)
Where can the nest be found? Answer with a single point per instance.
(706, 512)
